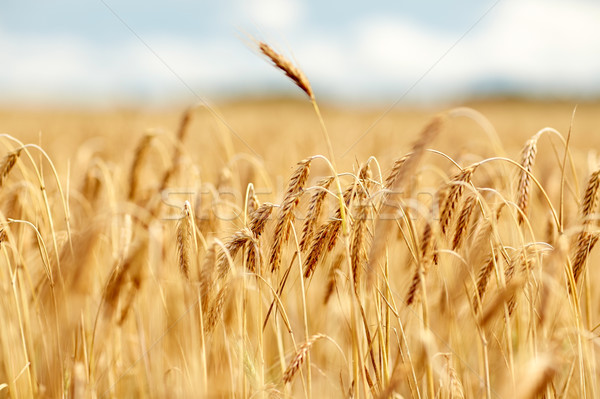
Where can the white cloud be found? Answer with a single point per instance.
(530, 44)
(273, 15)
(549, 45)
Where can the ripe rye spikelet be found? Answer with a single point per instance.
(424, 262)
(451, 381)
(92, 184)
(527, 162)
(590, 197)
(314, 211)
(290, 70)
(259, 219)
(286, 213)
(327, 234)
(395, 172)
(457, 187)
(358, 237)
(518, 259)
(388, 208)
(301, 353)
(253, 202)
(254, 260)
(215, 308)
(319, 244)
(118, 278)
(207, 276)
(185, 236)
(233, 245)
(482, 280)
(359, 227)
(336, 222)
(175, 160)
(331, 283)
(8, 163)
(463, 221)
(136, 166)
(585, 243)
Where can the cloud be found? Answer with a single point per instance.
(272, 15)
(540, 45)
(528, 45)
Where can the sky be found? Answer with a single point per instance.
(102, 52)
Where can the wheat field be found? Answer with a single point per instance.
(272, 248)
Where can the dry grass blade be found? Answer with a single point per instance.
(527, 162)
(301, 353)
(290, 70)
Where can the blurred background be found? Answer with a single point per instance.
(153, 53)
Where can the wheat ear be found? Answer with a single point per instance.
(388, 208)
(585, 243)
(527, 162)
(590, 198)
(457, 187)
(185, 234)
(136, 166)
(359, 227)
(301, 354)
(314, 211)
(8, 163)
(286, 213)
(290, 70)
(462, 223)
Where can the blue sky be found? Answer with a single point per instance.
(108, 51)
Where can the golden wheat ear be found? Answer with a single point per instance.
(290, 70)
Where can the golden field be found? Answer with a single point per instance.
(461, 264)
